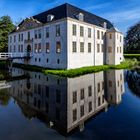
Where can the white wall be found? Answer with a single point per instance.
(80, 59)
(43, 56)
(67, 58)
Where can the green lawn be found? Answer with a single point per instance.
(131, 56)
(92, 69)
(79, 71)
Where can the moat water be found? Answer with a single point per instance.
(100, 106)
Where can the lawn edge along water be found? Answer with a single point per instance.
(127, 64)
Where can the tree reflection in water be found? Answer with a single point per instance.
(4, 97)
(133, 80)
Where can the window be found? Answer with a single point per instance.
(58, 47)
(98, 34)
(28, 35)
(89, 47)
(39, 61)
(47, 60)
(102, 35)
(57, 30)
(74, 115)
(99, 101)
(110, 83)
(58, 96)
(39, 47)
(74, 46)
(89, 106)
(81, 31)
(19, 37)
(18, 48)
(47, 47)
(98, 87)
(21, 48)
(35, 49)
(35, 32)
(82, 94)
(47, 91)
(89, 91)
(120, 50)
(74, 29)
(47, 32)
(102, 48)
(58, 61)
(120, 39)
(39, 33)
(110, 36)
(89, 32)
(110, 49)
(74, 97)
(82, 110)
(14, 38)
(81, 46)
(102, 85)
(98, 48)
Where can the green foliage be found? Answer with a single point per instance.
(6, 26)
(131, 56)
(129, 63)
(85, 70)
(132, 39)
(77, 72)
(4, 97)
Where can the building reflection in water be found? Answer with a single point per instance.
(66, 103)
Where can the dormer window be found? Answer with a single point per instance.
(105, 25)
(50, 17)
(80, 16)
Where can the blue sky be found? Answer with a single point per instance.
(122, 13)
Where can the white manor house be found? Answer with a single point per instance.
(66, 37)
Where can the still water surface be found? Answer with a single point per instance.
(100, 106)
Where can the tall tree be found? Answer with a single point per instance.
(6, 26)
(132, 40)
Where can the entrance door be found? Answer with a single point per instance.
(28, 50)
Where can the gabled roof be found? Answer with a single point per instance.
(68, 10)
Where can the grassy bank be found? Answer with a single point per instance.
(131, 56)
(92, 69)
(79, 71)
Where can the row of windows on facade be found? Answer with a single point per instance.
(38, 103)
(38, 48)
(100, 87)
(47, 60)
(90, 108)
(111, 37)
(38, 33)
(119, 49)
